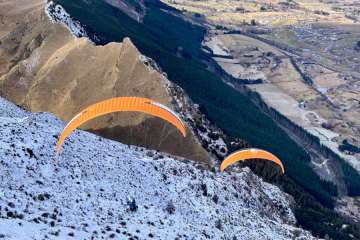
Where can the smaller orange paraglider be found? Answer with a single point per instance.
(251, 153)
(122, 104)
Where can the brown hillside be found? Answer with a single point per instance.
(44, 68)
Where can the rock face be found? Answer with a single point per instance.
(43, 67)
(82, 193)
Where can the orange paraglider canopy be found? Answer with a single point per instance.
(121, 104)
(251, 153)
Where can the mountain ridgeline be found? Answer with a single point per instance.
(175, 44)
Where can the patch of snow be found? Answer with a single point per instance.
(58, 14)
(11, 111)
(150, 64)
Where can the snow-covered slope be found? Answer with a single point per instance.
(82, 193)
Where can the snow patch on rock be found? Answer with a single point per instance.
(58, 14)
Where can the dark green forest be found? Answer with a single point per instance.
(175, 45)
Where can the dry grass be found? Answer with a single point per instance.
(232, 12)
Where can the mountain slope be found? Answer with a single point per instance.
(43, 67)
(177, 49)
(83, 191)
(175, 44)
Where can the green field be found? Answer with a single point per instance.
(176, 46)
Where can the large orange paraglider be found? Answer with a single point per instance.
(121, 104)
(252, 153)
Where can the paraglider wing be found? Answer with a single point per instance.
(121, 104)
(250, 154)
